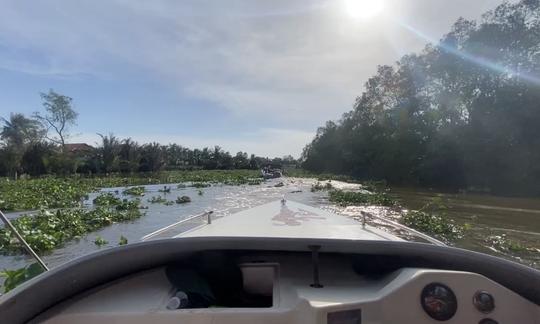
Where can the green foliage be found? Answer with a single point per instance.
(320, 187)
(432, 219)
(106, 199)
(100, 241)
(42, 193)
(123, 240)
(127, 205)
(435, 225)
(183, 200)
(442, 119)
(59, 116)
(109, 152)
(135, 191)
(352, 198)
(13, 278)
(18, 134)
(48, 230)
(66, 192)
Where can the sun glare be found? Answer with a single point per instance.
(364, 9)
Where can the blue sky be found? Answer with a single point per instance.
(256, 76)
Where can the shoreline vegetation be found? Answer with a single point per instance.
(67, 192)
(431, 219)
(60, 216)
(60, 199)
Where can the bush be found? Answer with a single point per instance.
(431, 224)
(352, 198)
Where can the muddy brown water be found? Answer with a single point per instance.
(490, 219)
(518, 219)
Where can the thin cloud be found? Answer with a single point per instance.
(287, 64)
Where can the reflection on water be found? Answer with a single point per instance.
(519, 219)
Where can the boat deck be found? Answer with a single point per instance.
(288, 220)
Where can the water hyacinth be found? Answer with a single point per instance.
(134, 191)
(183, 200)
(320, 187)
(13, 278)
(352, 198)
(68, 192)
(48, 230)
(100, 241)
(432, 224)
(106, 199)
(123, 240)
(42, 193)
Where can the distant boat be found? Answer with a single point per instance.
(271, 173)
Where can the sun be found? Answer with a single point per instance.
(364, 9)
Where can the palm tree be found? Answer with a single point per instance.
(18, 133)
(130, 156)
(110, 150)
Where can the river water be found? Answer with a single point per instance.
(491, 219)
(518, 219)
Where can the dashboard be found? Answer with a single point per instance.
(344, 295)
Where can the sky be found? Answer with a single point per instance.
(247, 75)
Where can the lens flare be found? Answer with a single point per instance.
(364, 9)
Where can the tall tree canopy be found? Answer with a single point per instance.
(463, 113)
(59, 116)
(17, 134)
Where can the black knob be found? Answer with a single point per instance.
(439, 301)
(484, 302)
(488, 321)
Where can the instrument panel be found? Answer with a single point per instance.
(408, 295)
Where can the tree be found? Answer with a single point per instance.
(59, 116)
(462, 113)
(241, 161)
(18, 133)
(109, 152)
(36, 159)
(152, 157)
(130, 156)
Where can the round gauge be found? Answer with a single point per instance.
(484, 302)
(439, 301)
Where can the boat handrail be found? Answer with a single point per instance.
(208, 214)
(401, 226)
(23, 241)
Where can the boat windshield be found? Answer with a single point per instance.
(373, 120)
